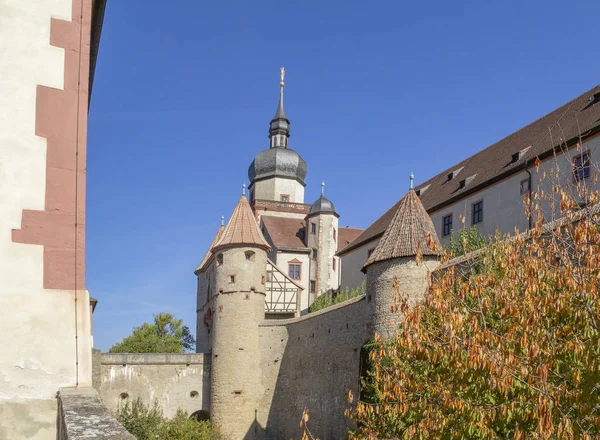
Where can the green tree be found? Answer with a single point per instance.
(166, 335)
(466, 240)
(148, 423)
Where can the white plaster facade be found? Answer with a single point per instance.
(276, 187)
(45, 335)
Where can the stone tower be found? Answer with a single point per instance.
(321, 233)
(238, 305)
(410, 237)
(277, 174)
(206, 290)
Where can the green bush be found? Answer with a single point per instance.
(467, 240)
(329, 299)
(148, 423)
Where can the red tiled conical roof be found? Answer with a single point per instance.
(242, 229)
(206, 258)
(409, 233)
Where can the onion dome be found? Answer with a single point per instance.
(322, 205)
(410, 233)
(278, 160)
(242, 229)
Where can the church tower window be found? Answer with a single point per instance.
(285, 198)
(313, 228)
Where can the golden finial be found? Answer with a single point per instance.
(282, 76)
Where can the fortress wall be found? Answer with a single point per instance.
(311, 362)
(168, 378)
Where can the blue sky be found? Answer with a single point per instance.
(184, 93)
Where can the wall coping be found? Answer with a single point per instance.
(153, 359)
(81, 415)
(284, 322)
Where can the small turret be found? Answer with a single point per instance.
(322, 236)
(408, 251)
(238, 308)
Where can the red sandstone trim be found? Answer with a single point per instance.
(61, 117)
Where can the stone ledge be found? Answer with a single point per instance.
(153, 359)
(81, 415)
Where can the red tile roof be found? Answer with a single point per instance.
(347, 236)
(241, 229)
(286, 233)
(209, 254)
(409, 233)
(579, 117)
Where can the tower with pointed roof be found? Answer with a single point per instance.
(277, 174)
(237, 307)
(398, 269)
(322, 237)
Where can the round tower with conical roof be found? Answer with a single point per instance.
(240, 257)
(399, 267)
(322, 236)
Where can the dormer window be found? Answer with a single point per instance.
(420, 191)
(454, 173)
(249, 255)
(519, 154)
(462, 184)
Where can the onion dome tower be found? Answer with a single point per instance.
(408, 251)
(238, 309)
(278, 173)
(322, 235)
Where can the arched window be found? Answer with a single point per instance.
(194, 394)
(124, 396)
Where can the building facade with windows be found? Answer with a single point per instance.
(491, 189)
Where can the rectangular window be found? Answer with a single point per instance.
(581, 166)
(285, 198)
(294, 271)
(231, 279)
(525, 186)
(447, 225)
(315, 254)
(477, 212)
(334, 263)
(313, 228)
(313, 286)
(334, 234)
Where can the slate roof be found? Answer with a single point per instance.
(208, 254)
(409, 233)
(286, 233)
(579, 117)
(242, 229)
(347, 236)
(322, 205)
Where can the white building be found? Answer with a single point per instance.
(488, 189)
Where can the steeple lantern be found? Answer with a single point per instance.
(279, 130)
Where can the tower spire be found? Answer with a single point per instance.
(279, 131)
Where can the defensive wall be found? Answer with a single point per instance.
(311, 362)
(173, 380)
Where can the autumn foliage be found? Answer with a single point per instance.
(506, 344)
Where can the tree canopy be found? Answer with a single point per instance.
(166, 335)
(507, 346)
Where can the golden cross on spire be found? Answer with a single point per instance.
(282, 76)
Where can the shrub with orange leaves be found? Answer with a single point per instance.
(506, 345)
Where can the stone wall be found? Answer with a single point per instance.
(310, 362)
(81, 415)
(174, 380)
